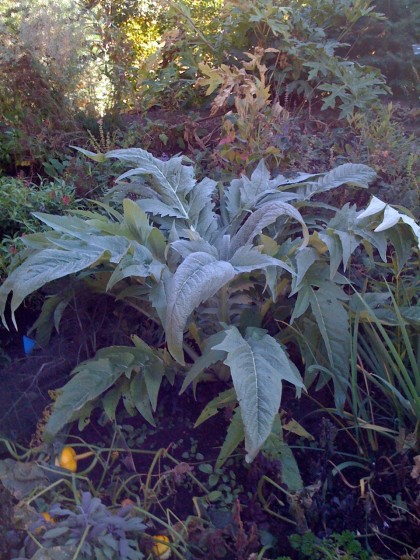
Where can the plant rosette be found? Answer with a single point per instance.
(160, 550)
(68, 458)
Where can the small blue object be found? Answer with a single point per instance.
(28, 344)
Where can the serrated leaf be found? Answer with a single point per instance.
(226, 398)
(232, 198)
(258, 367)
(214, 78)
(201, 206)
(65, 224)
(349, 243)
(235, 435)
(266, 215)
(159, 208)
(252, 189)
(140, 263)
(402, 245)
(247, 259)
(198, 278)
(90, 380)
(185, 248)
(352, 231)
(171, 180)
(41, 268)
(208, 358)
(348, 173)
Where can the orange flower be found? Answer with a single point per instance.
(68, 458)
(160, 550)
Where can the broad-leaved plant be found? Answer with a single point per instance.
(234, 277)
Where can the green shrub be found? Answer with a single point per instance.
(19, 198)
(301, 41)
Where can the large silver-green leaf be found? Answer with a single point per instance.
(348, 173)
(41, 268)
(266, 215)
(159, 208)
(352, 231)
(248, 193)
(209, 357)
(138, 262)
(171, 180)
(185, 248)
(232, 199)
(66, 224)
(173, 177)
(248, 258)
(390, 217)
(333, 323)
(198, 278)
(252, 188)
(92, 378)
(201, 208)
(258, 366)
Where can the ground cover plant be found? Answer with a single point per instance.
(214, 284)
